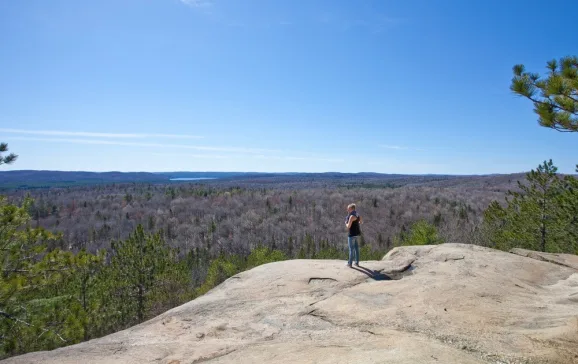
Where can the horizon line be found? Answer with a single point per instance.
(257, 172)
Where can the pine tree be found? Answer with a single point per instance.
(135, 268)
(309, 244)
(263, 255)
(569, 202)
(556, 97)
(290, 247)
(420, 233)
(219, 270)
(86, 291)
(10, 158)
(28, 271)
(301, 254)
(539, 217)
(555, 209)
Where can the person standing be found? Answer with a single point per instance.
(352, 222)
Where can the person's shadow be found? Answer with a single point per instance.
(373, 274)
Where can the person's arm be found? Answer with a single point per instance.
(351, 220)
(360, 219)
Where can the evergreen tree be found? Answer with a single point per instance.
(220, 269)
(86, 291)
(420, 233)
(309, 245)
(290, 247)
(569, 211)
(136, 266)
(555, 98)
(301, 254)
(539, 217)
(28, 271)
(263, 255)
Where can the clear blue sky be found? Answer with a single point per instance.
(295, 85)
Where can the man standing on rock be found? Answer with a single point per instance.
(352, 221)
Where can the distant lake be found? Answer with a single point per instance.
(191, 179)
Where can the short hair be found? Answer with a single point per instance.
(351, 206)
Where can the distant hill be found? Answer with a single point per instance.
(27, 179)
(214, 174)
(44, 179)
(30, 179)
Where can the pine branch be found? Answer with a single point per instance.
(44, 330)
(552, 104)
(555, 97)
(14, 318)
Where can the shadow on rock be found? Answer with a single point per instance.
(379, 276)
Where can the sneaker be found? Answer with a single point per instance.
(356, 264)
(347, 264)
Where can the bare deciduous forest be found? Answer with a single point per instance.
(235, 216)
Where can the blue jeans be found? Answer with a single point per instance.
(353, 249)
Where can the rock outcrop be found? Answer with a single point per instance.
(450, 303)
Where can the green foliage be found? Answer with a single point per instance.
(219, 270)
(212, 227)
(171, 192)
(174, 287)
(263, 255)
(85, 288)
(138, 266)
(332, 252)
(301, 254)
(309, 244)
(542, 216)
(28, 271)
(569, 208)
(10, 158)
(366, 253)
(41, 325)
(224, 267)
(555, 98)
(420, 233)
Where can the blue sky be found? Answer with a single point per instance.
(295, 85)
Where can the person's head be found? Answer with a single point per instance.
(351, 207)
